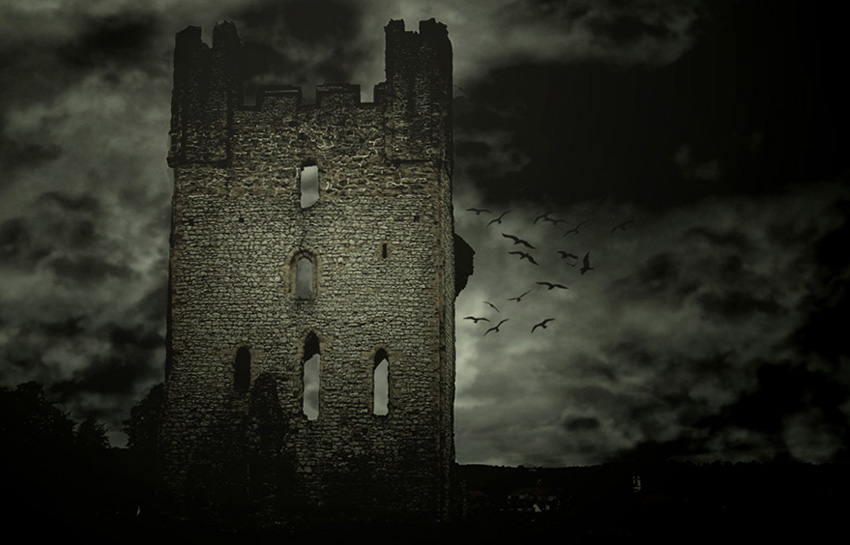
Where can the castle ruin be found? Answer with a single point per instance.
(310, 353)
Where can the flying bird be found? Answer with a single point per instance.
(565, 255)
(478, 211)
(493, 306)
(544, 216)
(622, 225)
(476, 319)
(523, 255)
(552, 286)
(519, 297)
(586, 264)
(518, 240)
(499, 219)
(496, 327)
(575, 229)
(555, 221)
(542, 324)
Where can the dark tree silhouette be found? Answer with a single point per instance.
(142, 429)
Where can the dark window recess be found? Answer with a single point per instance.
(311, 383)
(384, 250)
(242, 369)
(380, 384)
(309, 186)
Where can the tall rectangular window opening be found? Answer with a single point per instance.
(311, 379)
(309, 186)
(380, 384)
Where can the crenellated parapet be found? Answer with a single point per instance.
(411, 111)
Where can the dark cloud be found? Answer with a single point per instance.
(57, 222)
(692, 134)
(111, 376)
(625, 29)
(784, 389)
(87, 269)
(660, 277)
(14, 238)
(827, 307)
(472, 150)
(302, 42)
(736, 240)
(736, 304)
(66, 328)
(74, 203)
(16, 154)
(120, 371)
(125, 39)
(581, 424)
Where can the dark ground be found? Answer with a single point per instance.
(676, 502)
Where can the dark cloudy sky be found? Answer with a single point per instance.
(711, 327)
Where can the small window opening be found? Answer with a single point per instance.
(309, 186)
(242, 369)
(384, 250)
(312, 359)
(304, 278)
(380, 384)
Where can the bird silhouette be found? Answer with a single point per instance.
(552, 286)
(499, 219)
(542, 324)
(478, 211)
(544, 216)
(622, 225)
(519, 297)
(586, 264)
(565, 254)
(476, 319)
(518, 240)
(493, 306)
(575, 229)
(555, 221)
(495, 327)
(523, 255)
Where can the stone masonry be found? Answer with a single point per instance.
(379, 252)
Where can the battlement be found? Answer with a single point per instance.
(413, 105)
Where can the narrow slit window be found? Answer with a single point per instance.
(384, 250)
(380, 384)
(242, 369)
(312, 361)
(304, 278)
(309, 186)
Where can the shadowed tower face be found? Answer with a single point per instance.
(310, 367)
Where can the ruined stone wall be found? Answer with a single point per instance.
(381, 240)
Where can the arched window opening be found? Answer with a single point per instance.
(242, 369)
(304, 278)
(380, 384)
(309, 186)
(311, 364)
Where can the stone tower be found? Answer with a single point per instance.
(310, 366)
